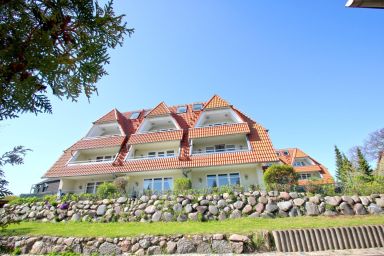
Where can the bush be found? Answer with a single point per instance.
(280, 177)
(182, 184)
(121, 184)
(359, 184)
(107, 190)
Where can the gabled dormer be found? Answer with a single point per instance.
(217, 112)
(107, 125)
(158, 119)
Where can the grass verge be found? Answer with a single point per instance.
(239, 226)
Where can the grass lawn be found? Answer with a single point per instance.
(239, 226)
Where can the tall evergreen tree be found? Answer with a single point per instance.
(362, 164)
(348, 168)
(340, 174)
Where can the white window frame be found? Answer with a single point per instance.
(197, 104)
(134, 113)
(95, 185)
(228, 178)
(305, 176)
(185, 108)
(162, 182)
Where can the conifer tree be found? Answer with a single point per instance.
(362, 164)
(340, 174)
(348, 168)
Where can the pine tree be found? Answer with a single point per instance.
(340, 174)
(363, 166)
(348, 168)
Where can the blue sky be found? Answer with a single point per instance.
(310, 71)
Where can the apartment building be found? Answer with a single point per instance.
(212, 143)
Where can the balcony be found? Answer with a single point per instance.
(159, 150)
(219, 129)
(94, 156)
(161, 135)
(214, 150)
(220, 144)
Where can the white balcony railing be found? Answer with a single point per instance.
(149, 157)
(92, 161)
(214, 151)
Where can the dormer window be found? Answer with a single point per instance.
(158, 124)
(197, 107)
(286, 153)
(218, 117)
(134, 115)
(102, 130)
(181, 109)
(277, 153)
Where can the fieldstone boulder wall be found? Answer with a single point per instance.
(143, 245)
(253, 204)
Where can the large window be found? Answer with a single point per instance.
(299, 163)
(304, 176)
(158, 184)
(92, 187)
(105, 158)
(217, 180)
(168, 153)
(134, 115)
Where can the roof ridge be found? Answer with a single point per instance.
(160, 110)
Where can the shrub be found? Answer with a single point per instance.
(107, 190)
(280, 177)
(182, 184)
(121, 184)
(359, 184)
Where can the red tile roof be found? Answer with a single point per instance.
(261, 147)
(99, 142)
(159, 110)
(216, 102)
(294, 153)
(141, 138)
(202, 132)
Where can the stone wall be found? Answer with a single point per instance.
(198, 208)
(144, 245)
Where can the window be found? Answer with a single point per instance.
(170, 153)
(182, 109)
(134, 115)
(209, 149)
(104, 158)
(147, 184)
(230, 147)
(241, 147)
(158, 184)
(108, 158)
(220, 148)
(223, 180)
(151, 154)
(304, 176)
(160, 154)
(211, 181)
(92, 187)
(197, 107)
(299, 163)
(286, 153)
(277, 153)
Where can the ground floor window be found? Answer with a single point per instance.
(92, 187)
(218, 180)
(304, 176)
(158, 184)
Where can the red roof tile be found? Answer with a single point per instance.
(99, 142)
(202, 132)
(298, 153)
(141, 138)
(261, 147)
(159, 110)
(216, 102)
